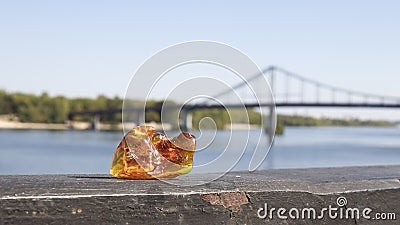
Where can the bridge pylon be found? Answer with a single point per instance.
(96, 122)
(269, 127)
(186, 121)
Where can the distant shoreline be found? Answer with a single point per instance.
(72, 125)
(32, 126)
(15, 125)
(82, 126)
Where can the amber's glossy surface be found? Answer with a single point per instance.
(146, 154)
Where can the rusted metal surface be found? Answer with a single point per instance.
(231, 200)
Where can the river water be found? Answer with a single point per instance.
(49, 152)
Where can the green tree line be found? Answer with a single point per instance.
(46, 109)
(222, 117)
(286, 120)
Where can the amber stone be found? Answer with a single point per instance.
(146, 154)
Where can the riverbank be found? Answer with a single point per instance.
(71, 125)
(12, 122)
(32, 126)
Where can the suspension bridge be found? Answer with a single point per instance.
(293, 90)
(288, 90)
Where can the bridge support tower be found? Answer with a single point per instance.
(140, 118)
(186, 120)
(270, 122)
(96, 122)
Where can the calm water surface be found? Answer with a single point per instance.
(44, 152)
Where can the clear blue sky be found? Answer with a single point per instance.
(87, 48)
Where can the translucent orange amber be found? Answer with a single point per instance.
(146, 154)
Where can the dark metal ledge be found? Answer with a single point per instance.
(232, 199)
